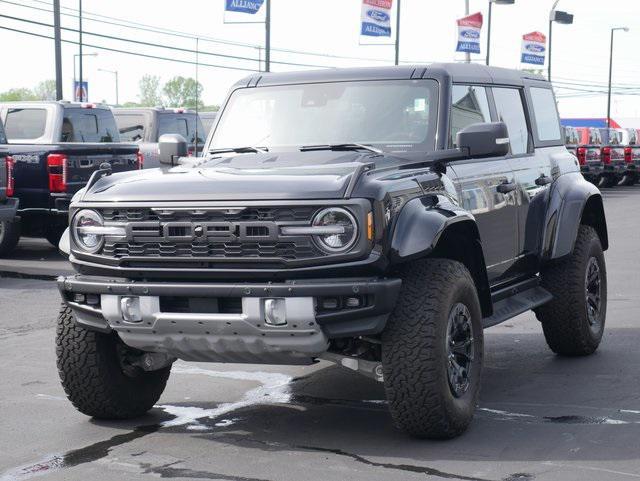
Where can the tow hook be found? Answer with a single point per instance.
(371, 369)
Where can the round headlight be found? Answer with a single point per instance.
(346, 229)
(84, 232)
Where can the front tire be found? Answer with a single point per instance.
(432, 350)
(573, 322)
(628, 179)
(606, 181)
(93, 375)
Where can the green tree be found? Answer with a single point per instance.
(15, 95)
(181, 92)
(150, 91)
(45, 90)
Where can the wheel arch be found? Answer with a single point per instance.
(444, 231)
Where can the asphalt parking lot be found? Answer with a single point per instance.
(540, 417)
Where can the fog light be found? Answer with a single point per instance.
(130, 308)
(275, 312)
(352, 302)
(79, 298)
(330, 303)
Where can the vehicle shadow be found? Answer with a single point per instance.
(534, 406)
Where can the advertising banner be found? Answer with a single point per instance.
(243, 6)
(376, 18)
(469, 33)
(534, 48)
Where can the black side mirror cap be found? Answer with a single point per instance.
(490, 139)
(171, 148)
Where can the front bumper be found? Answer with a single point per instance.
(8, 209)
(243, 336)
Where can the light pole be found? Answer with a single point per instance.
(57, 40)
(80, 54)
(398, 34)
(491, 2)
(113, 72)
(563, 18)
(613, 30)
(75, 60)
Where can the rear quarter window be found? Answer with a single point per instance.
(89, 125)
(546, 113)
(25, 123)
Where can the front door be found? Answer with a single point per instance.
(486, 187)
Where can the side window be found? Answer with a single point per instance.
(131, 127)
(544, 108)
(25, 123)
(469, 105)
(511, 112)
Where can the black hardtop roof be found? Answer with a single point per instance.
(459, 72)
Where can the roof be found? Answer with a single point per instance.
(600, 123)
(153, 109)
(459, 72)
(63, 103)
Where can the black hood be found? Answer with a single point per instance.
(262, 176)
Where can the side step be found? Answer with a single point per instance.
(507, 307)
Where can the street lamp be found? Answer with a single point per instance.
(491, 2)
(613, 30)
(557, 16)
(113, 72)
(75, 60)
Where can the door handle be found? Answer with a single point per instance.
(543, 180)
(507, 187)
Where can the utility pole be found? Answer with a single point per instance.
(398, 34)
(58, 48)
(467, 56)
(82, 99)
(267, 42)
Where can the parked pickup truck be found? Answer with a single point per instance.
(8, 204)
(612, 153)
(56, 146)
(589, 154)
(146, 125)
(631, 141)
(378, 218)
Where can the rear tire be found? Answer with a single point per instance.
(432, 350)
(573, 322)
(92, 375)
(9, 236)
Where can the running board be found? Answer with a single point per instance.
(511, 306)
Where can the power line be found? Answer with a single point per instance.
(149, 44)
(163, 31)
(137, 54)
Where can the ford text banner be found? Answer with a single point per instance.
(243, 6)
(376, 18)
(469, 33)
(534, 47)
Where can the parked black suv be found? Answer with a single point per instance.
(378, 218)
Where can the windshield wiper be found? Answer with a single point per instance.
(240, 150)
(338, 147)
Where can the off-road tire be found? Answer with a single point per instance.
(415, 352)
(565, 321)
(9, 237)
(92, 376)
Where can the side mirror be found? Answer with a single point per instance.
(171, 148)
(489, 139)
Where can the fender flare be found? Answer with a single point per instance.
(572, 201)
(422, 225)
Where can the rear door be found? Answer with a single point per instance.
(532, 167)
(486, 187)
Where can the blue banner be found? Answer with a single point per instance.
(80, 92)
(243, 6)
(469, 29)
(376, 18)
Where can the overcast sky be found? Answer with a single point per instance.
(580, 54)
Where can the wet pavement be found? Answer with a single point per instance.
(540, 417)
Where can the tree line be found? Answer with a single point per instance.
(177, 92)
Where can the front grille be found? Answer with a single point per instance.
(268, 250)
(218, 234)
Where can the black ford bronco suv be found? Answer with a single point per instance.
(378, 218)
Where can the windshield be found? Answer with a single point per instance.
(395, 116)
